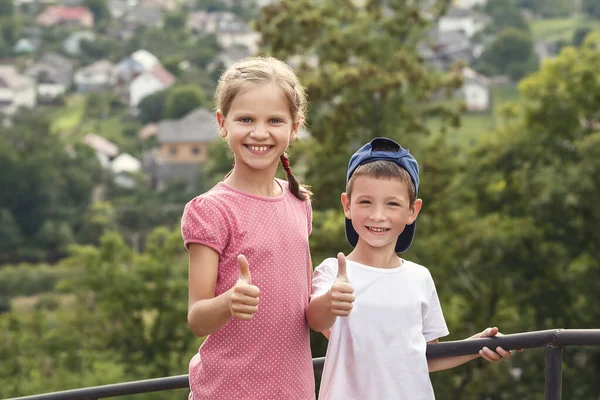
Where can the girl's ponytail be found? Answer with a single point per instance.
(297, 189)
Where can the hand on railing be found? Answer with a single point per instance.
(493, 356)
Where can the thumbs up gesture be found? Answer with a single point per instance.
(243, 302)
(341, 294)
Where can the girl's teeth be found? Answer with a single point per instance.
(259, 148)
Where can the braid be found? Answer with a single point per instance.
(297, 189)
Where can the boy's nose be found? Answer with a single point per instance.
(377, 215)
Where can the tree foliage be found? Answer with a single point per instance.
(369, 80)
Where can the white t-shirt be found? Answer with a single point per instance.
(378, 351)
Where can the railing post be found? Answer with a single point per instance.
(553, 372)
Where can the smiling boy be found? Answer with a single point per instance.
(378, 310)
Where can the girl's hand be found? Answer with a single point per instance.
(341, 294)
(243, 302)
(493, 356)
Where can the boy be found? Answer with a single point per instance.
(388, 306)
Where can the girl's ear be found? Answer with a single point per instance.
(221, 122)
(294, 133)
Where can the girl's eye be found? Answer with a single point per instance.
(246, 119)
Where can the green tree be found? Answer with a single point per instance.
(579, 35)
(7, 8)
(505, 14)
(43, 183)
(591, 7)
(511, 53)
(10, 236)
(363, 74)
(152, 108)
(183, 99)
(99, 8)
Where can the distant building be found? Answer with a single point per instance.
(66, 16)
(149, 82)
(182, 148)
(97, 77)
(460, 19)
(16, 90)
(53, 74)
(475, 91)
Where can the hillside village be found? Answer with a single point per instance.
(61, 54)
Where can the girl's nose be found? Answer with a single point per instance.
(259, 132)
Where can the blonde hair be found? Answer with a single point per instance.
(261, 70)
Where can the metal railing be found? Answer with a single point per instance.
(553, 340)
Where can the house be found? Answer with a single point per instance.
(149, 82)
(468, 21)
(468, 4)
(25, 45)
(66, 16)
(444, 49)
(124, 168)
(227, 57)
(97, 77)
(475, 91)
(72, 44)
(139, 15)
(182, 148)
(106, 151)
(137, 63)
(16, 90)
(229, 29)
(53, 74)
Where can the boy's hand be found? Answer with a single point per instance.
(341, 294)
(243, 302)
(493, 356)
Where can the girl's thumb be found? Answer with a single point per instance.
(244, 268)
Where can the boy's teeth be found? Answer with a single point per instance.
(377, 229)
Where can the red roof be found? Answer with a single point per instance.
(68, 13)
(164, 76)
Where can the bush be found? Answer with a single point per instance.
(28, 280)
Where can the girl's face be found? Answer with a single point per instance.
(258, 126)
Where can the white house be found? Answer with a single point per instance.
(99, 76)
(468, 3)
(16, 90)
(138, 62)
(72, 44)
(460, 19)
(148, 83)
(53, 74)
(226, 26)
(124, 167)
(475, 91)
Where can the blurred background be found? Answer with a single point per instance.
(107, 130)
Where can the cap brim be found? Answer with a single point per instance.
(404, 240)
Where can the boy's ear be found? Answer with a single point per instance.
(415, 209)
(346, 205)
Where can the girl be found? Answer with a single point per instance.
(247, 237)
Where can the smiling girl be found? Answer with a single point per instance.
(247, 238)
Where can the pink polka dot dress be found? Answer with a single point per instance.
(269, 356)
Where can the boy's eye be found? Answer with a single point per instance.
(394, 204)
(364, 202)
(276, 121)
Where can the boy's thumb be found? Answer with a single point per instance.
(244, 268)
(341, 274)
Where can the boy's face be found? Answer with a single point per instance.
(379, 209)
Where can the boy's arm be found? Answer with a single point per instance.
(319, 315)
(440, 364)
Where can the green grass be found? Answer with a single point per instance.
(561, 28)
(67, 118)
(476, 125)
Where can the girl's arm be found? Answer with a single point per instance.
(206, 313)
(440, 364)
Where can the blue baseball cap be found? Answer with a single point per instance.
(402, 158)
